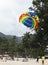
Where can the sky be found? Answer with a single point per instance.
(10, 10)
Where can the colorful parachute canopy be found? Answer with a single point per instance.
(29, 19)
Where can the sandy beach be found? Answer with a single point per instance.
(20, 62)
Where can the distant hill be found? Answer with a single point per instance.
(2, 35)
(18, 39)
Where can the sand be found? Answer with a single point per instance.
(20, 62)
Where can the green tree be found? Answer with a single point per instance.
(3, 45)
(12, 47)
(41, 8)
(26, 42)
(30, 44)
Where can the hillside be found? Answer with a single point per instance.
(18, 39)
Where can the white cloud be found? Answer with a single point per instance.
(10, 11)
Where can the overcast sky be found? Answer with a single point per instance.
(10, 10)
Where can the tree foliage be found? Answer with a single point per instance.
(41, 8)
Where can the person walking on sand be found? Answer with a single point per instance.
(37, 59)
(43, 58)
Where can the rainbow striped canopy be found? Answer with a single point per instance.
(29, 19)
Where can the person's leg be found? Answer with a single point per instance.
(42, 62)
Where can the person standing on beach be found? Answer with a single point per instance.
(37, 58)
(43, 58)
